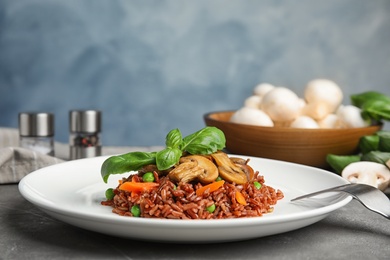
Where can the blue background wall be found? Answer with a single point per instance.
(151, 66)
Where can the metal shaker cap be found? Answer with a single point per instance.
(85, 121)
(36, 124)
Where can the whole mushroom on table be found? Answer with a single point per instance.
(371, 173)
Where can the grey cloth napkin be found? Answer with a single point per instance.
(16, 162)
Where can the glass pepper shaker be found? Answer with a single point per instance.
(85, 128)
(36, 132)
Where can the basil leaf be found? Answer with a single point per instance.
(174, 138)
(368, 143)
(376, 109)
(132, 161)
(205, 141)
(168, 157)
(376, 156)
(374, 105)
(384, 141)
(339, 162)
(360, 99)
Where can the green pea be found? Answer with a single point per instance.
(110, 194)
(257, 185)
(135, 210)
(211, 208)
(148, 177)
(218, 178)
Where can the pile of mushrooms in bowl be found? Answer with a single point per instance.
(321, 107)
(276, 123)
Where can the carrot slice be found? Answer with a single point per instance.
(211, 187)
(138, 186)
(240, 198)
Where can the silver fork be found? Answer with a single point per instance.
(372, 198)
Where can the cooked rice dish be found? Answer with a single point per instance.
(182, 192)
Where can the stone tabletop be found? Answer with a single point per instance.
(351, 232)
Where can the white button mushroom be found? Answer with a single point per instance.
(302, 103)
(251, 116)
(322, 92)
(350, 117)
(371, 173)
(331, 121)
(304, 122)
(317, 111)
(262, 89)
(253, 102)
(281, 105)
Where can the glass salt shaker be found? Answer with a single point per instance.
(85, 128)
(36, 132)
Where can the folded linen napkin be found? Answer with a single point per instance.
(16, 162)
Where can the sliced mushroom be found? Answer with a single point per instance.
(194, 167)
(243, 164)
(371, 173)
(232, 172)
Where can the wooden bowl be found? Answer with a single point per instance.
(303, 146)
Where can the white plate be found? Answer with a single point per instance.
(72, 191)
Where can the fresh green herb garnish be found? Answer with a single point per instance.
(376, 156)
(339, 162)
(126, 162)
(374, 105)
(368, 143)
(384, 141)
(205, 141)
(373, 148)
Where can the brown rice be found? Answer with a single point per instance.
(180, 201)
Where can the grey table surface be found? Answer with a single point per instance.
(351, 232)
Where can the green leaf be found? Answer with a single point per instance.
(374, 105)
(376, 156)
(384, 141)
(173, 138)
(168, 158)
(132, 161)
(360, 99)
(368, 143)
(339, 162)
(205, 141)
(376, 109)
